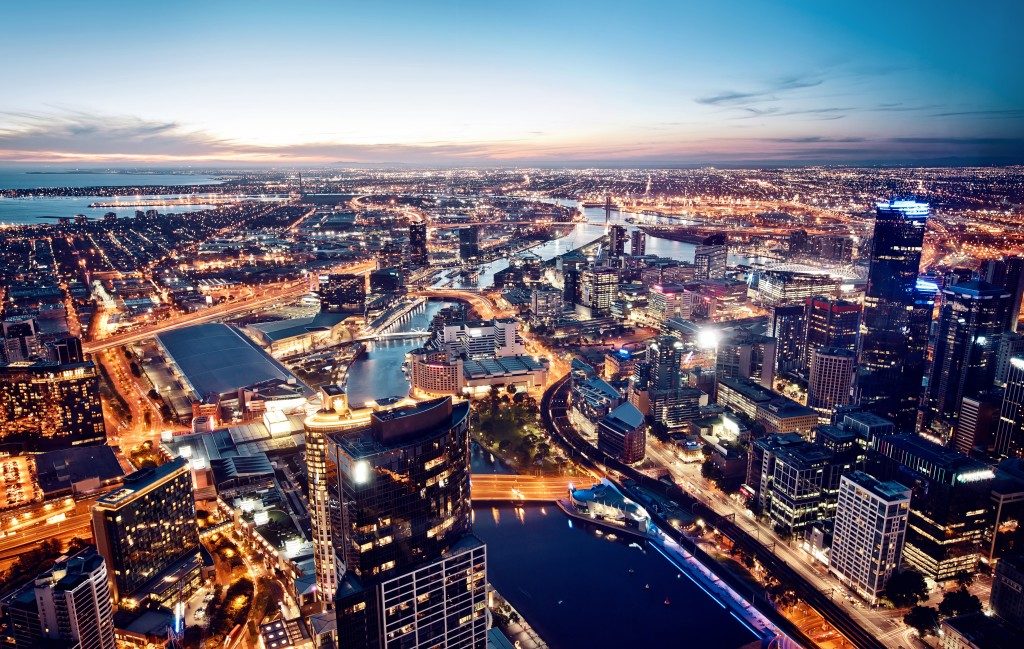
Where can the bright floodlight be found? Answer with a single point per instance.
(708, 338)
(361, 472)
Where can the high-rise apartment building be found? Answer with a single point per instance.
(598, 288)
(147, 533)
(21, 340)
(830, 323)
(469, 244)
(711, 257)
(418, 255)
(665, 358)
(869, 531)
(831, 378)
(973, 315)
(67, 606)
(891, 354)
(46, 405)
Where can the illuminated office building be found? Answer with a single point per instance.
(1009, 437)
(638, 243)
(598, 288)
(891, 352)
(1008, 274)
(45, 405)
(786, 324)
(831, 377)
(147, 533)
(829, 323)
(342, 293)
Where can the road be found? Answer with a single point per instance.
(553, 416)
(262, 297)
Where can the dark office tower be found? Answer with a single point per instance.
(1009, 438)
(399, 489)
(147, 534)
(665, 358)
(1007, 273)
(45, 405)
(977, 423)
(638, 243)
(418, 256)
(469, 244)
(786, 326)
(342, 293)
(616, 241)
(571, 286)
(67, 606)
(386, 280)
(711, 257)
(890, 369)
(830, 323)
(68, 351)
(964, 361)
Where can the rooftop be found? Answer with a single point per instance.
(217, 359)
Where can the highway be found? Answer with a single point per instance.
(555, 421)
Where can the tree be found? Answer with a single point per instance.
(924, 619)
(906, 588)
(511, 389)
(959, 602)
(964, 578)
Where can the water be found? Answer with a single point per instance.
(25, 179)
(576, 589)
(379, 373)
(30, 210)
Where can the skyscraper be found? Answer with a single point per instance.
(418, 255)
(972, 316)
(469, 244)
(146, 532)
(69, 605)
(20, 340)
(830, 323)
(786, 325)
(45, 405)
(890, 358)
(1007, 273)
(870, 528)
(1009, 437)
(665, 358)
(711, 257)
(638, 243)
(831, 377)
(398, 507)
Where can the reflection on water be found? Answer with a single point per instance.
(579, 588)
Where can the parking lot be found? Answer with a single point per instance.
(17, 483)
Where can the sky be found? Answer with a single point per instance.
(512, 83)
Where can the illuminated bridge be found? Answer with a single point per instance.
(494, 487)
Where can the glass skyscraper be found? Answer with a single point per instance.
(891, 351)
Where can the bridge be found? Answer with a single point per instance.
(498, 487)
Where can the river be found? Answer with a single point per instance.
(578, 589)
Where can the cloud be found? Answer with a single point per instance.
(770, 92)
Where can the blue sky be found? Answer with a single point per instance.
(512, 82)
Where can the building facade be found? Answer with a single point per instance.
(869, 531)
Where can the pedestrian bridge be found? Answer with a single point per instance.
(498, 487)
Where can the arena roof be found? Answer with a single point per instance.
(217, 359)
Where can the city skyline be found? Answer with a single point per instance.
(453, 84)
